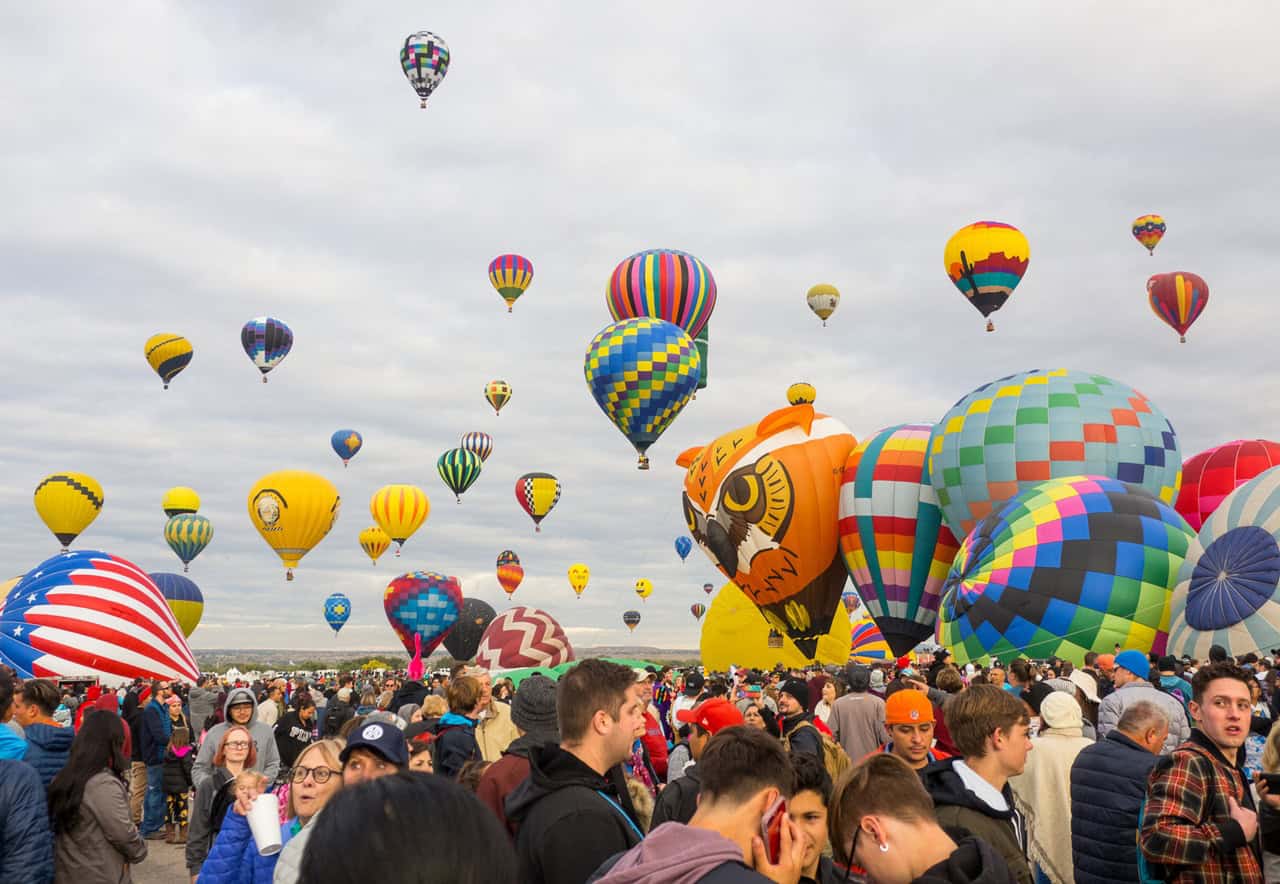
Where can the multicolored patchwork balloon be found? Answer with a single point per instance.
(895, 546)
(266, 341)
(497, 393)
(345, 444)
(1227, 592)
(187, 535)
(1011, 433)
(1211, 475)
(663, 284)
(1071, 565)
(337, 609)
(424, 58)
(1178, 299)
(510, 275)
(642, 372)
(1149, 230)
(423, 604)
(985, 261)
(480, 444)
(867, 644)
(459, 469)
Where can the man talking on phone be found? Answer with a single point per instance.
(741, 832)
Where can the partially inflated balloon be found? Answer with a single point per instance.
(266, 341)
(734, 634)
(474, 618)
(345, 444)
(497, 393)
(1178, 299)
(423, 604)
(68, 503)
(1211, 475)
(167, 354)
(683, 547)
(374, 541)
(510, 275)
(523, 637)
(424, 58)
(1149, 230)
(697, 609)
(337, 609)
(579, 574)
(479, 444)
(399, 510)
(663, 284)
(823, 300)
(184, 598)
(867, 645)
(642, 373)
(180, 499)
(1069, 566)
(762, 503)
(801, 393)
(644, 588)
(537, 493)
(631, 619)
(187, 535)
(293, 510)
(986, 260)
(459, 469)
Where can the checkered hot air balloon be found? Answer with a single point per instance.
(422, 604)
(1228, 587)
(520, 637)
(424, 58)
(537, 493)
(1211, 475)
(895, 546)
(337, 609)
(92, 613)
(1011, 433)
(642, 372)
(663, 284)
(1068, 566)
(266, 341)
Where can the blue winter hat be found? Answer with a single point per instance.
(1135, 661)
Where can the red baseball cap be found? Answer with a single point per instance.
(712, 715)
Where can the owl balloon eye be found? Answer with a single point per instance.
(742, 493)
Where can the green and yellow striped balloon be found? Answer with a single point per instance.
(459, 468)
(187, 535)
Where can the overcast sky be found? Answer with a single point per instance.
(185, 167)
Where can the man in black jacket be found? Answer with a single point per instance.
(796, 726)
(573, 813)
(679, 801)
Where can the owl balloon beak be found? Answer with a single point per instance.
(722, 547)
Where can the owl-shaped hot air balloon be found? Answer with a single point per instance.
(374, 541)
(510, 275)
(510, 571)
(762, 502)
(1211, 475)
(823, 300)
(663, 284)
(293, 510)
(167, 354)
(1178, 299)
(985, 261)
(579, 575)
(497, 393)
(424, 58)
(1149, 230)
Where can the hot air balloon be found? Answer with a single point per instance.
(1014, 432)
(184, 599)
(422, 606)
(346, 443)
(92, 613)
(337, 608)
(1227, 589)
(734, 634)
(761, 501)
(537, 493)
(986, 261)
(641, 372)
(708, 588)
(631, 619)
(293, 510)
(801, 393)
(479, 444)
(1211, 475)
(459, 469)
(663, 284)
(644, 588)
(167, 354)
(474, 618)
(823, 300)
(187, 535)
(1178, 299)
(579, 574)
(68, 503)
(683, 547)
(510, 571)
(1068, 566)
(851, 599)
(867, 645)
(266, 341)
(1149, 230)
(374, 541)
(497, 393)
(510, 275)
(697, 609)
(424, 58)
(520, 637)
(399, 511)
(179, 500)
(703, 343)
(895, 546)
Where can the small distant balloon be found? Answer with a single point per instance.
(510, 275)
(187, 535)
(697, 610)
(180, 499)
(1178, 299)
(683, 547)
(266, 341)
(801, 393)
(459, 469)
(510, 571)
(497, 393)
(479, 444)
(985, 261)
(631, 619)
(374, 541)
(1149, 230)
(644, 588)
(424, 58)
(337, 608)
(537, 493)
(708, 588)
(579, 574)
(346, 443)
(823, 300)
(167, 354)
(67, 503)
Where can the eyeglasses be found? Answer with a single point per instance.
(319, 774)
(236, 744)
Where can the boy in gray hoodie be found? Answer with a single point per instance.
(242, 709)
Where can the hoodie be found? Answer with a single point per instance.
(570, 819)
(959, 807)
(502, 777)
(672, 854)
(264, 740)
(455, 745)
(201, 702)
(47, 749)
(972, 862)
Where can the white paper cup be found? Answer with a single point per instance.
(264, 823)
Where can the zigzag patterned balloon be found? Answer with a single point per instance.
(523, 637)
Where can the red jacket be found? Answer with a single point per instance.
(501, 778)
(656, 744)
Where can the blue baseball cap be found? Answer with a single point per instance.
(1135, 661)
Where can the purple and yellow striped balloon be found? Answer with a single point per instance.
(663, 284)
(510, 275)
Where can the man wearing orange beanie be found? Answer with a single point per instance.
(908, 716)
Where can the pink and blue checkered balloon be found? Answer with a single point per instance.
(425, 604)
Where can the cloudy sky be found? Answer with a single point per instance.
(184, 167)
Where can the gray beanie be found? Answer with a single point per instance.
(533, 709)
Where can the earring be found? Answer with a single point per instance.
(884, 848)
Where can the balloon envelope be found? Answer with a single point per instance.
(631, 619)
(422, 603)
(523, 637)
(399, 510)
(663, 284)
(180, 499)
(579, 574)
(187, 535)
(537, 493)
(424, 58)
(459, 468)
(644, 588)
(68, 503)
(266, 342)
(1211, 475)
(293, 510)
(985, 261)
(1149, 230)
(184, 598)
(734, 634)
(167, 354)
(683, 547)
(801, 393)
(823, 299)
(474, 618)
(346, 443)
(1178, 299)
(374, 541)
(337, 609)
(510, 276)
(480, 444)
(867, 644)
(497, 393)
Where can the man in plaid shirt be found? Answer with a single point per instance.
(1200, 823)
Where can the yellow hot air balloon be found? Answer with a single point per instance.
(734, 633)
(823, 300)
(399, 510)
(374, 541)
(67, 503)
(180, 500)
(579, 574)
(293, 510)
(167, 354)
(801, 393)
(644, 588)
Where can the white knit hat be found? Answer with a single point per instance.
(1060, 710)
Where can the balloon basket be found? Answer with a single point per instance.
(423, 104)
(288, 575)
(185, 569)
(643, 462)
(509, 308)
(1182, 339)
(991, 326)
(824, 323)
(397, 552)
(537, 529)
(166, 386)
(264, 378)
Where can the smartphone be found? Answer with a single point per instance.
(1273, 782)
(771, 829)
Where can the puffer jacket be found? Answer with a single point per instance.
(1108, 786)
(455, 745)
(264, 740)
(104, 841)
(234, 858)
(1115, 703)
(13, 746)
(47, 749)
(26, 845)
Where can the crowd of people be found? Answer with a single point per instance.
(1131, 768)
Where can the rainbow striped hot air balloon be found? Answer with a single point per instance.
(866, 644)
(663, 284)
(510, 275)
(1149, 230)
